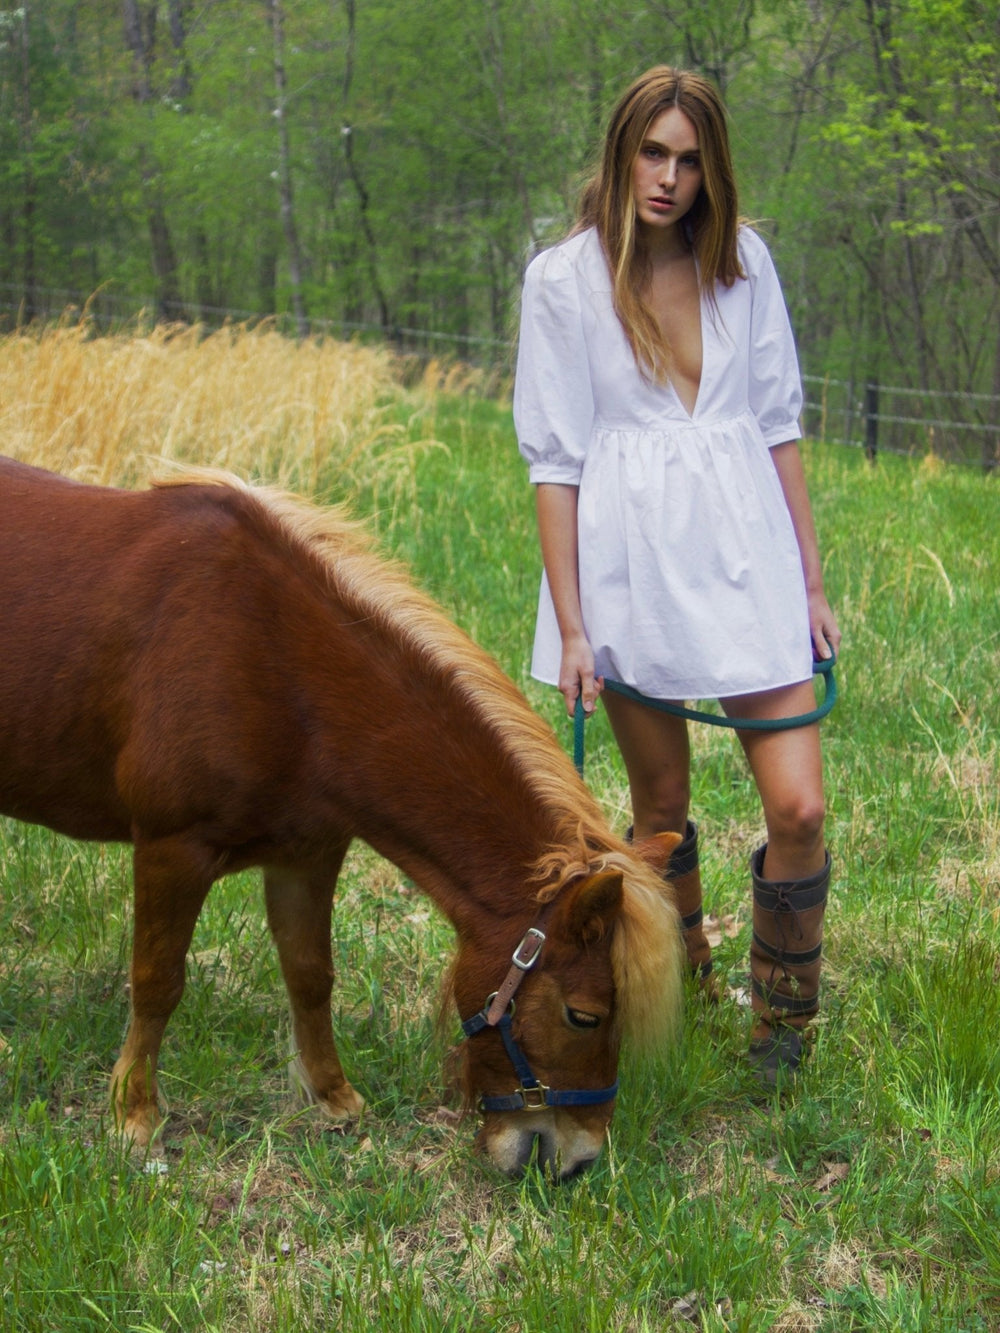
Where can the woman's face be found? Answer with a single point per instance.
(667, 172)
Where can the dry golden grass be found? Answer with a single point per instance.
(308, 416)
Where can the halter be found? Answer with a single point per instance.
(498, 1012)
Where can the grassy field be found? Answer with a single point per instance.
(869, 1199)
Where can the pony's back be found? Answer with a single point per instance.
(143, 661)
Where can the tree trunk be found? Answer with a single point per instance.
(28, 200)
(277, 20)
(353, 170)
(140, 35)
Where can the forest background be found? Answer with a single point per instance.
(386, 167)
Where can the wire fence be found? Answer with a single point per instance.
(880, 418)
(960, 427)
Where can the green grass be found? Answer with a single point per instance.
(869, 1199)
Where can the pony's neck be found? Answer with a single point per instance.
(464, 803)
(426, 750)
(469, 840)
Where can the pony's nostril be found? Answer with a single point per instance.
(578, 1168)
(551, 1161)
(526, 1154)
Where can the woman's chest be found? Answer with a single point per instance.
(714, 357)
(674, 300)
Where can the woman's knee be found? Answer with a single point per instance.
(664, 817)
(657, 759)
(660, 804)
(797, 819)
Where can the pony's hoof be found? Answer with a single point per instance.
(344, 1103)
(140, 1132)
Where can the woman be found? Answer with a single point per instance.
(657, 401)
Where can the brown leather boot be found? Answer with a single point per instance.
(684, 877)
(785, 954)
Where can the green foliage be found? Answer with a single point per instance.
(888, 190)
(432, 147)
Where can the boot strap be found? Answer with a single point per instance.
(798, 958)
(684, 857)
(786, 1004)
(693, 919)
(791, 898)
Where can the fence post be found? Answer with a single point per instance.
(871, 420)
(849, 412)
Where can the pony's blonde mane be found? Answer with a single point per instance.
(647, 953)
(645, 949)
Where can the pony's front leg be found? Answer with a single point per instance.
(299, 906)
(172, 879)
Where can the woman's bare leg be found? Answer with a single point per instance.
(791, 875)
(787, 767)
(657, 755)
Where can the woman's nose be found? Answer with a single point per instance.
(668, 171)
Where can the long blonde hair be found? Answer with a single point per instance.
(607, 202)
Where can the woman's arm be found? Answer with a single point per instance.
(556, 506)
(822, 622)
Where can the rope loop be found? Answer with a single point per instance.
(821, 667)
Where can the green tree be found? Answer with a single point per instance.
(422, 152)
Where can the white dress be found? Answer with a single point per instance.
(691, 580)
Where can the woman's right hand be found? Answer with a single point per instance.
(576, 675)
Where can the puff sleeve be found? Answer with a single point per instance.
(774, 386)
(553, 397)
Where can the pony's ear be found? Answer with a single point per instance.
(595, 903)
(657, 850)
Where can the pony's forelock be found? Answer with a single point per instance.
(647, 959)
(646, 950)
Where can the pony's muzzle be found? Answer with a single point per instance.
(550, 1139)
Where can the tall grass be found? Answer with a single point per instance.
(310, 416)
(868, 1199)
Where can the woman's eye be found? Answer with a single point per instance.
(579, 1018)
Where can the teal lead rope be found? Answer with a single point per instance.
(823, 667)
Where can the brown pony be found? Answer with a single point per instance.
(229, 677)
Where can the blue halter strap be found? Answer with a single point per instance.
(498, 1013)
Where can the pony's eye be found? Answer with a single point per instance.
(579, 1018)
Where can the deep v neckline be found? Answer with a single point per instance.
(661, 305)
(692, 412)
